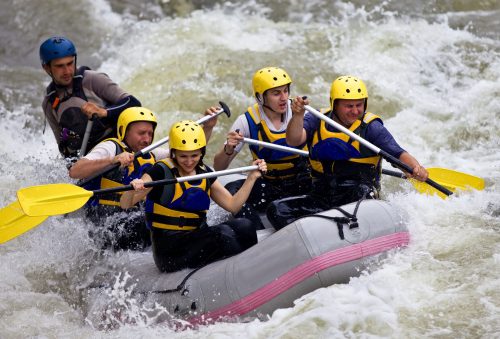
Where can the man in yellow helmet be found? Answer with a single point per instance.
(343, 169)
(114, 227)
(267, 121)
(176, 214)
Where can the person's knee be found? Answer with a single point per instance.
(224, 231)
(226, 238)
(161, 262)
(252, 215)
(274, 216)
(245, 232)
(285, 211)
(234, 186)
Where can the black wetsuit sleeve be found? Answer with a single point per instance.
(115, 110)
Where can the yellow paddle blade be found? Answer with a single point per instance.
(13, 222)
(423, 188)
(52, 199)
(452, 180)
(456, 180)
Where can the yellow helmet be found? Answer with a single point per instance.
(348, 87)
(133, 114)
(267, 78)
(187, 135)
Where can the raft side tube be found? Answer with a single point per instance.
(306, 255)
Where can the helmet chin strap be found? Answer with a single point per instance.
(282, 115)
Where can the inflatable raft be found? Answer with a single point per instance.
(312, 252)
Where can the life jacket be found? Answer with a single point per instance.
(72, 118)
(182, 206)
(280, 164)
(336, 155)
(119, 176)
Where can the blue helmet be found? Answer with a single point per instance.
(56, 47)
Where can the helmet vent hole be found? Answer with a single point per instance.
(184, 142)
(275, 79)
(195, 141)
(183, 129)
(348, 90)
(359, 90)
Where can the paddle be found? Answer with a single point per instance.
(276, 147)
(382, 153)
(86, 136)
(450, 179)
(14, 222)
(151, 147)
(56, 199)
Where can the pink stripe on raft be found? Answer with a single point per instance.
(304, 271)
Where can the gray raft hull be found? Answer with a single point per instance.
(300, 258)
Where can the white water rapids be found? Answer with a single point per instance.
(432, 75)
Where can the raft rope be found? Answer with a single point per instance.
(179, 287)
(348, 219)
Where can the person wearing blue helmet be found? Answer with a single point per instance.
(75, 94)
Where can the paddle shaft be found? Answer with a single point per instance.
(151, 147)
(396, 162)
(86, 136)
(306, 154)
(276, 147)
(177, 180)
(394, 174)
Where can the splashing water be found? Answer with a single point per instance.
(432, 75)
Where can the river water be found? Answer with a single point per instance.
(432, 73)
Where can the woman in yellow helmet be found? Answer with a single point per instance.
(176, 214)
